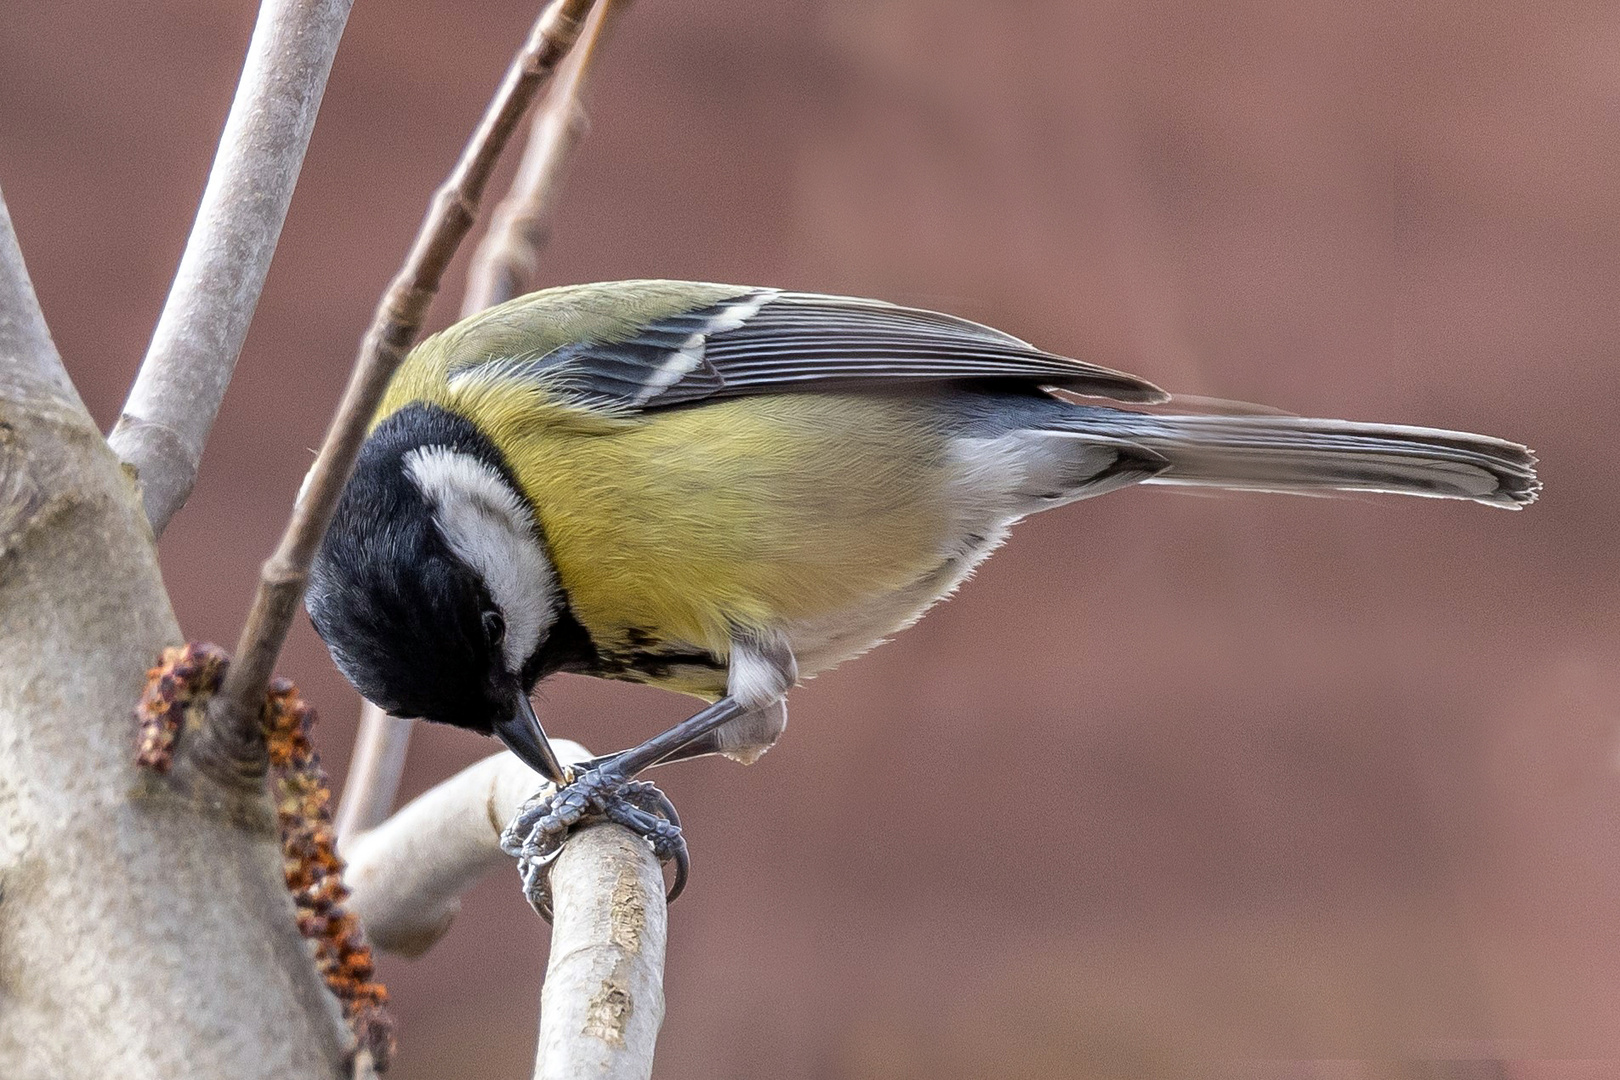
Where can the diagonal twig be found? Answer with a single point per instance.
(375, 768)
(505, 260)
(232, 742)
(177, 393)
(503, 265)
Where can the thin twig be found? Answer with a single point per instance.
(375, 769)
(232, 741)
(503, 265)
(176, 395)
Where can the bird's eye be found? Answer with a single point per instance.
(494, 628)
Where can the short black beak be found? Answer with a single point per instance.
(523, 735)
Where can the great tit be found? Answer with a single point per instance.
(722, 490)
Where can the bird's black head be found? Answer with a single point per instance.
(432, 589)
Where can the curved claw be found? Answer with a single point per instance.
(680, 854)
(642, 792)
(536, 877)
(660, 826)
(683, 868)
(536, 835)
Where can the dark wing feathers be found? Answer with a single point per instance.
(764, 341)
(800, 338)
(627, 373)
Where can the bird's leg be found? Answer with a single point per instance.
(762, 727)
(536, 834)
(639, 807)
(762, 670)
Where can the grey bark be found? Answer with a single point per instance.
(603, 999)
(177, 394)
(407, 874)
(145, 930)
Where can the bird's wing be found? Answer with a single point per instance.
(760, 341)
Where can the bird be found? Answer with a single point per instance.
(723, 490)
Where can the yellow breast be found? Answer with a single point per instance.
(683, 524)
(747, 513)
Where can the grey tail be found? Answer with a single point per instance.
(1291, 454)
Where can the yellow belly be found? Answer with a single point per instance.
(759, 512)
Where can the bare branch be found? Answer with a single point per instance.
(182, 381)
(407, 874)
(503, 265)
(374, 771)
(603, 999)
(30, 367)
(232, 742)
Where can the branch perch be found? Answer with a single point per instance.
(177, 393)
(407, 874)
(502, 266)
(603, 1000)
(232, 744)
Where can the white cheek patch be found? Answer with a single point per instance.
(489, 527)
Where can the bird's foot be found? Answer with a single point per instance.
(536, 836)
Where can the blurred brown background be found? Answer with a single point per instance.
(1175, 778)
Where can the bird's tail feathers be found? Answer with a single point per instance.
(1294, 454)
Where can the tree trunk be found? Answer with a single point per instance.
(144, 926)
